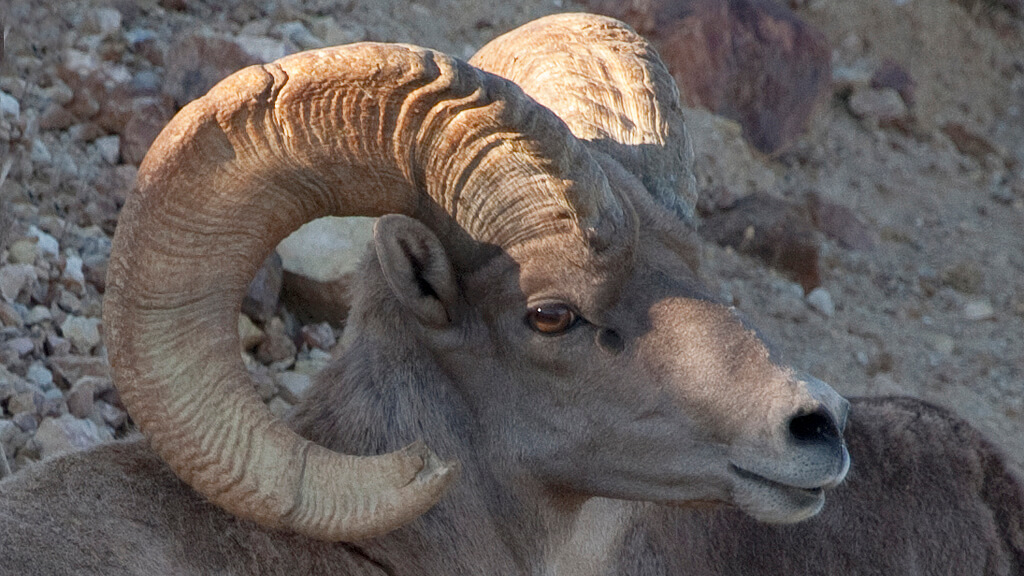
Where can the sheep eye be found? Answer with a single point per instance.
(551, 318)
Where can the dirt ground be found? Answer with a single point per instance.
(935, 309)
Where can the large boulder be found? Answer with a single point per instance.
(753, 61)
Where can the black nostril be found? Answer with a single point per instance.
(817, 426)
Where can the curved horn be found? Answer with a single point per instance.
(365, 129)
(612, 89)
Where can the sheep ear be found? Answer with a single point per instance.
(416, 268)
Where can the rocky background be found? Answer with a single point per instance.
(861, 166)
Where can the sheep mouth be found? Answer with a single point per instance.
(754, 477)
(774, 502)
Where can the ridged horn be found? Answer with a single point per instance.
(612, 89)
(366, 129)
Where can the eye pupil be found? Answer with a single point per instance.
(551, 318)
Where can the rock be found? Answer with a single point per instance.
(277, 347)
(26, 421)
(892, 75)
(9, 435)
(292, 385)
(81, 398)
(56, 117)
(327, 248)
(315, 301)
(101, 21)
(23, 251)
(753, 61)
(73, 277)
(969, 142)
(21, 346)
(820, 300)
(279, 407)
(39, 375)
(723, 160)
(147, 118)
(9, 315)
(69, 369)
(248, 333)
(29, 401)
(109, 148)
(40, 154)
(67, 434)
(840, 223)
(38, 315)
(334, 34)
(979, 310)
(319, 336)
(57, 346)
(16, 279)
(199, 60)
(83, 333)
(772, 229)
(46, 244)
(9, 105)
(102, 89)
(877, 104)
(261, 297)
(299, 35)
(112, 415)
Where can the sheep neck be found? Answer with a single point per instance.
(497, 519)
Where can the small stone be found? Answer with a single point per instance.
(820, 300)
(23, 251)
(56, 117)
(83, 333)
(39, 375)
(112, 415)
(81, 398)
(21, 346)
(878, 104)
(102, 21)
(979, 310)
(73, 277)
(319, 336)
(249, 334)
(38, 315)
(297, 33)
(264, 291)
(109, 148)
(46, 244)
(67, 434)
(9, 315)
(57, 346)
(69, 368)
(15, 279)
(292, 385)
(277, 347)
(26, 421)
(279, 407)
(40, 154)
(970, 142)
(9, 105)
(29, 401)
(893, 75)
(9, 434)
(334, 34)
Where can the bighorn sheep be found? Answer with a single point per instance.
(927, 494)
(537, 323)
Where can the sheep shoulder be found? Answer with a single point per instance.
(118, 510)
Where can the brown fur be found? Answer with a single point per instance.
(926, 496)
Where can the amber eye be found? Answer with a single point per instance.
(551, 318)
